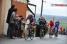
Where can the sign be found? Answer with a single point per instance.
(58, 4)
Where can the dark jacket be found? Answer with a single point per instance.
(42, 22)
(9, 15)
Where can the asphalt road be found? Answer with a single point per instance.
(61, 39)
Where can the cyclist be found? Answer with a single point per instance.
(42, 24)
(57, 23)
(28, 26)
(51, 24)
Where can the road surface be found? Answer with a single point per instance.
(61, 39)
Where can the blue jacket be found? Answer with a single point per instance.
(57, 24)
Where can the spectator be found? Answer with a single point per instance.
(10, 12)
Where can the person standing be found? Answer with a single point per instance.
(11, 13)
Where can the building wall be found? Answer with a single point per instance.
(0, 16)
(4, 10)
(23, 1)
(21, 8)
(7, 6)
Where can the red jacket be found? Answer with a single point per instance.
(51, 23)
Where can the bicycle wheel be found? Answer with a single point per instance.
(56, 32)
(41, 33)
(31, 34)
(50, 33)
(26, 35)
